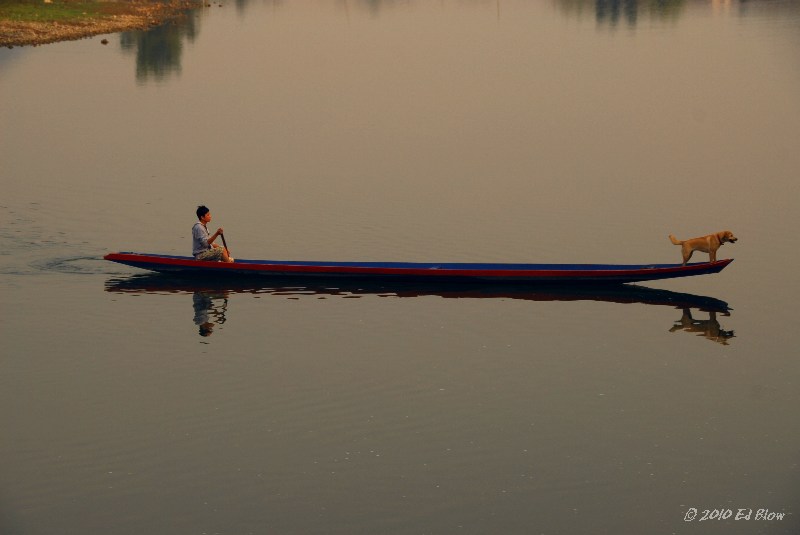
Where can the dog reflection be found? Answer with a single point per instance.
(709, 328)
(209, 310)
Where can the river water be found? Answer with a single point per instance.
(485, 131)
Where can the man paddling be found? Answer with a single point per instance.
(203, 246)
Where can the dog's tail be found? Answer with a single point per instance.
(675, 240)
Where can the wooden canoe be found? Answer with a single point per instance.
(418, 271)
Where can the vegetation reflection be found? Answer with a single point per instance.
(158, 51)
(612, 12)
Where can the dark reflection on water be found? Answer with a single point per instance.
(159, 50)
(242, 5)
(210, 297)
(708, 328)
(612, 12)
(209, 309)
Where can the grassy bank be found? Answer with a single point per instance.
(35, 22)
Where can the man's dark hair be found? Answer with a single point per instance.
(201, 211)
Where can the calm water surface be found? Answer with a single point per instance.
(529, 131)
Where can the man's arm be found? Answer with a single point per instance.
(214, 237)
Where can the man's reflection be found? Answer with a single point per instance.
(709, 328)
(209, 309)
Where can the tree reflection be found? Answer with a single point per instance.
(242, 5)
(612, 12)
(159, 50)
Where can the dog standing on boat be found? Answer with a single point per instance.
(707, 244)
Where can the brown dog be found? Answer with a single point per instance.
(707, 244)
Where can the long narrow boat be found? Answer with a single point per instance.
(462, 272)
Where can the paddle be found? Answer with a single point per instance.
(225, 244)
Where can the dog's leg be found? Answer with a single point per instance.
(684, 323)
(687, 254)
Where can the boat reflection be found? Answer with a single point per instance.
(210, 297)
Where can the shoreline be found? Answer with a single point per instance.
(117, 16)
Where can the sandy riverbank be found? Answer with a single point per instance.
(114, 16)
